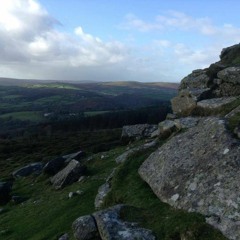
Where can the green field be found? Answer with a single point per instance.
(24, 116)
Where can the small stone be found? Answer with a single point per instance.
(226, 151)
(175, 197)
(81, 179)
(64, 237)
(79, 192)
(193, 186)
(72, 194)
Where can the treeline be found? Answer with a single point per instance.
(115, 119)
(151, 115)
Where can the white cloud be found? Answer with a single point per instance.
(174, 20)
(29, 40)
(133, 22)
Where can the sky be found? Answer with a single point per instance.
(111, 40)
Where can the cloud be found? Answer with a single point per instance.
(29, 38)
(33, 44)
(174, 20)
(133, 22)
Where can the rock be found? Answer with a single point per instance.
(77, 156)
(64, 237)
(85, 228)
(82, 178)
(72, 194)
(186, 122)
(54, 166)
(103, 190)
(5, 190)
(70, 174)
(233, 112)
(237, 131)
(166, 128)
(197, 79)
(155, 134)
(137, 131)
(230, 74)
(110, 226)
(57, 164)
(171, 116)
(198, 170)
(123, 157)
(215, 105)
(102, 193)
(230, 55)
(183, 103)
(33, 168)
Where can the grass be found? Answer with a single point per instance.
(24, 116)
(94, 113)
(49, 213)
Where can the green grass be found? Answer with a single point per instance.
(94, 113)
(24, 116)
(49, 213)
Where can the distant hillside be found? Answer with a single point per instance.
(20, 82)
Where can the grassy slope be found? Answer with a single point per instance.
(49, 213)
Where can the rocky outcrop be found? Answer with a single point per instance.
(138, 131)
(70, 174)
(107, 225)
(33, 168)
(221, 79)
(5, 190)
(198, 170)
(55, 165)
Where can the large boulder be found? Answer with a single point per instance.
(138, 131)
(198, 171)
(55, 165)
(183, 104)
(214, 106)
(5, 190)
(197, 79)
(33, 168)
(70, 174)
